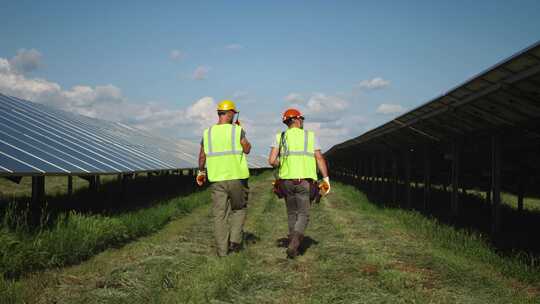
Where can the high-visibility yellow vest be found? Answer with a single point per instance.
(297, 155)
(225, 159)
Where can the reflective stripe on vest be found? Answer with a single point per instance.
(225, 159)
(233, 144)
(286, 151)
(300, 162)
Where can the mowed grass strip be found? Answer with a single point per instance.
(358, 253)
(397, 256)
(75, 237)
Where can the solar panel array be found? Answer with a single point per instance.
(38, 140)
(504, 96)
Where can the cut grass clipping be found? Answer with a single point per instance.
(75, 236)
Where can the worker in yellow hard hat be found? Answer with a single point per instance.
(222, 159)
(297, 155)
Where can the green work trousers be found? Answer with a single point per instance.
(298, 204)
(229, 209)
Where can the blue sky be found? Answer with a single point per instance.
(162, 66)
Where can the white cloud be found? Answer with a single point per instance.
(202, 112)
(107, 102)
(26, 61)
(5, 67)
(176, 55)
(375, 83)
(200, 73)
(323, 108)
(387, 109)
(294, 98)
(234, 47)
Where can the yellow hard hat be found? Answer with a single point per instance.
(226, 105)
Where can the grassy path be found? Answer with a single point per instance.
(357, 254)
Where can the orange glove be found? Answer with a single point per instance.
(201, 178)
(238, 122)
(324, 186)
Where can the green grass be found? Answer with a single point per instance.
(359, 253)
(75, 237)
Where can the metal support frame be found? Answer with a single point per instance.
(521, 192)
(13, 178)
(383, 181)
(427, 176)
(357, 181)
(407, 181)
(38, 190)
(69, 185)
(365, 173)
(496, 183)
(94, 183)
(455, 177)
(394, 179)
(373, 186)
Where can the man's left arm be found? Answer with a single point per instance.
(202, 159)
(321, 163)
(246, 146)
(323, 168)
(201, 175)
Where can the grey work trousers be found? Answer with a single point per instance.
(298, 204)
(229, 209)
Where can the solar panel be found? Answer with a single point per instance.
(37, 140)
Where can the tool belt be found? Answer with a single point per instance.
(280, 191)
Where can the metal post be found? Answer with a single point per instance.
(455, 178)
(38, 190)
(427, 176)
(407, 179)
(373, 174)
(394, 179)
(69, 185)
(521, 193)
(496, 183)
(125, 180)
(365, 173)
(383, 182)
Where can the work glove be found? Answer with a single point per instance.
(324, 186)
(238, 123)
(201, 177)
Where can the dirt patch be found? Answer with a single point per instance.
(370, 269)
(428, 277)
(531, 291)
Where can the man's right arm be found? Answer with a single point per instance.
(272, 157)
(321, 163)
(202, 158)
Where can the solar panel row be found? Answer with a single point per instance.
(36, 139)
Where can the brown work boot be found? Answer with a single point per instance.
(296, 239)
(235, 247)
(284, 242)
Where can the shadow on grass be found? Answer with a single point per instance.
(113, 197)
(517, 229)
(250, 238)
(307, 242)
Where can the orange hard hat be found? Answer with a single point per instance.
(290, 114)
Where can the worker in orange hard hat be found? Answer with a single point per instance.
(223, 152)
(297, 155)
